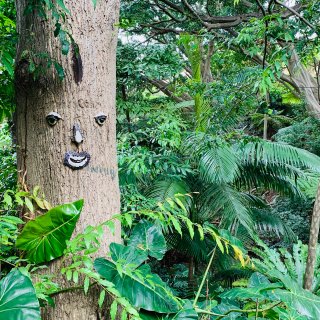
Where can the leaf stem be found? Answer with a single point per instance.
(250, 310)
(70, 289)
(220, 316)
(204, 277)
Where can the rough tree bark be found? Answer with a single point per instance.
(42, 148)
(313, 242)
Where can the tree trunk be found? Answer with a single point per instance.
(76, 157)
(313, 242)
(306, 83)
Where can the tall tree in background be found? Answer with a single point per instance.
(273, 34)
(66, 129)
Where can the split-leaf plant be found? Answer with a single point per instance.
(126, 277)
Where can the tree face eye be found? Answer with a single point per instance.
(100, 119)
(52, 118)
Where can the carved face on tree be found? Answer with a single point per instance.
(75, 159)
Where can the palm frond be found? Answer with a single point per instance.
(281, 179)
(267, 152)
(223, 202)
(218, 164)
(266, 222)
(161, 190)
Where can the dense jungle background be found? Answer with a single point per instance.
(218, 121)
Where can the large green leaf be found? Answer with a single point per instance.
(289, 314)
(148, 237)
(258, 292)
(259, 288)
(186, 313)
(224, 307)
(44, 238)
(127, 256)
(18, 300)
(141, 287)
(295, 297)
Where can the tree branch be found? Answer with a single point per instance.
(173, 6)
(291, 9)
(167, 12)
(163, 86)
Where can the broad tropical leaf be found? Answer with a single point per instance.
(141, 287)
(44, 238)
(18, 300)
(224, 307)
(248, 293)
(295, 297)
(148, 237)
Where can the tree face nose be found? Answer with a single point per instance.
(77, 135)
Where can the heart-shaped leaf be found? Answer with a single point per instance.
(18, 299)
(148, 237)
(44, 238)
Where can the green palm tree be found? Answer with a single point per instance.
(226, 185)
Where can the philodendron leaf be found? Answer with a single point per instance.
(44, 238)
(259, 292)
(18, 300)
(148, 237)
(304, 302)
(127, 256)
(141, 287)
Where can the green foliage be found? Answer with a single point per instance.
(7, 54)
(142, 288)
(187, 169)
(9, 227)
(44, 238)
(264, 298)
(291, 264)
(148, 237)
(302, 135)
(296, 213)
(303, 301)
(8, 173)
(31, 200)
(18, 299)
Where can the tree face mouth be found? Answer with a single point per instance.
(76, 160)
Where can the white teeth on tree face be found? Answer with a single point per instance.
(77, 164)
(76, 160)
